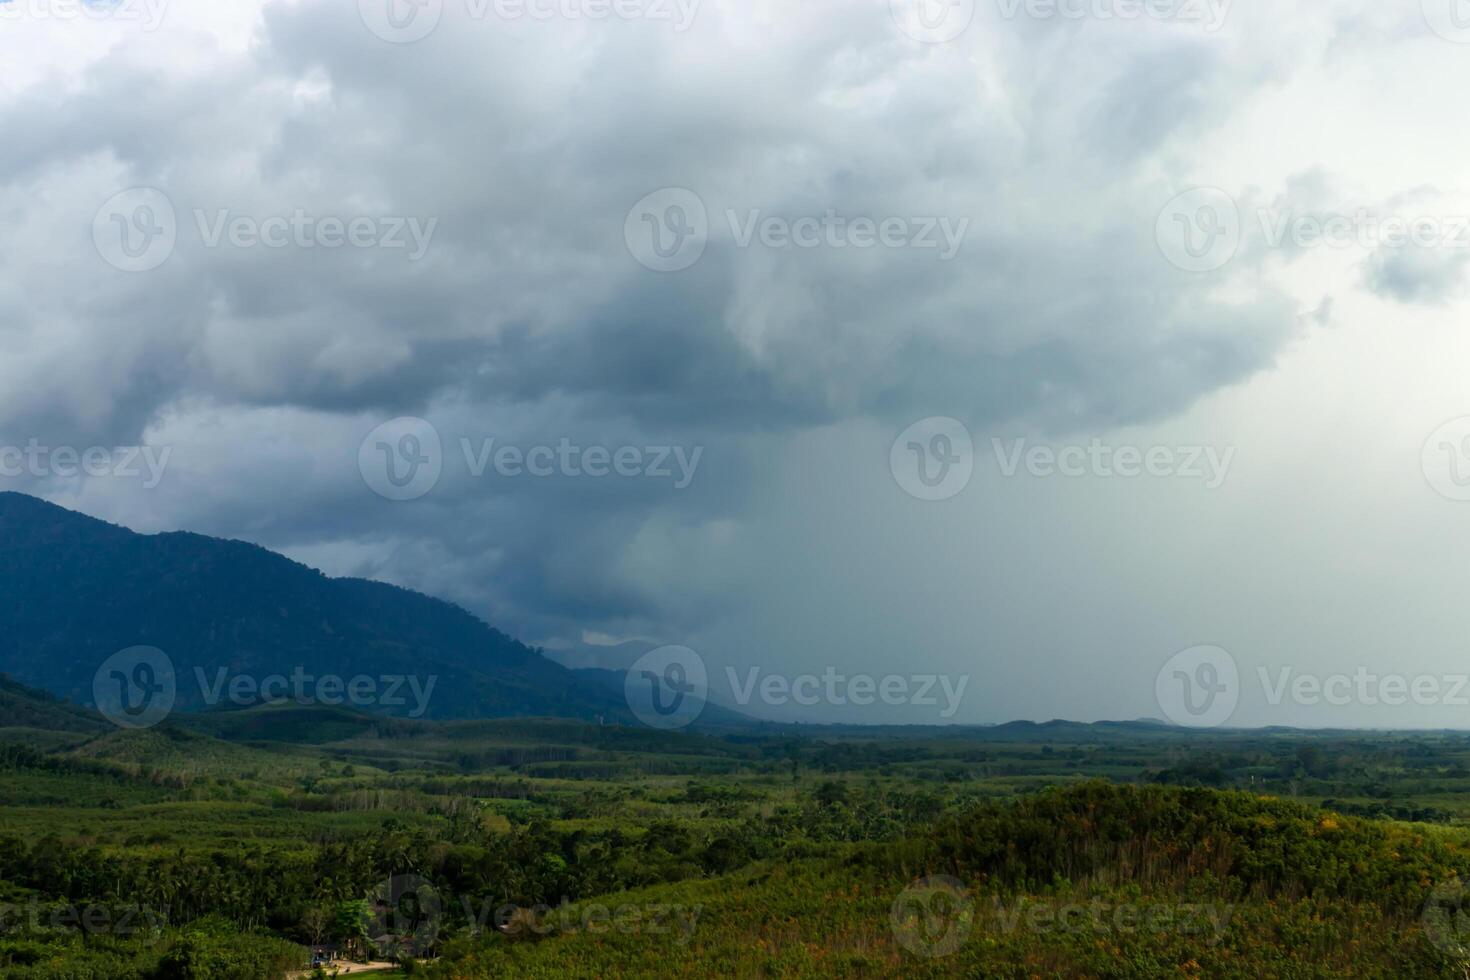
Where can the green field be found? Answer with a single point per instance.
(205, 849)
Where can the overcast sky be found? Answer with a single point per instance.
(1220, 247)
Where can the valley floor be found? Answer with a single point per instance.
(202, 851)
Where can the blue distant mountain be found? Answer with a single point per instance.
(75, 590)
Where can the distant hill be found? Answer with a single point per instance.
(26, 707)
(312, 724)
(75, 590)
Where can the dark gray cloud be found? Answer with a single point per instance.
(1416, 274)
(528, 319)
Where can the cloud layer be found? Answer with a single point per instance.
(509, 152)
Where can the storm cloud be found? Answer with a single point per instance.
(490, 172)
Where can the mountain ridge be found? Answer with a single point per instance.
(78, 589)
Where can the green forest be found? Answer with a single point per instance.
(242, 844)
